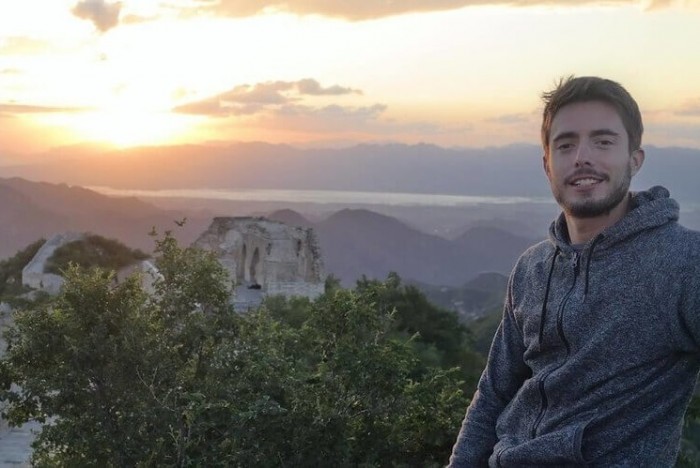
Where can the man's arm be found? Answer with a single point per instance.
(504, 374)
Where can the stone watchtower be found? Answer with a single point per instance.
(265, 257)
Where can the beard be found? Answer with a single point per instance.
(592, 208)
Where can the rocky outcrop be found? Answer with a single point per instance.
(265, 257)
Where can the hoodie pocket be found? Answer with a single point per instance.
(560, 448)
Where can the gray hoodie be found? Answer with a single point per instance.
(597, 354)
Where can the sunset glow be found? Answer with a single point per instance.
(154, 72)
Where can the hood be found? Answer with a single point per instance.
(650, 209)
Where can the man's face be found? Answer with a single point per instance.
(589, 165)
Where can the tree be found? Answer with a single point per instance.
(179, 379)
(439, 338)
(112, 369)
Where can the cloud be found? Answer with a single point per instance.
(324, 120)
(334, 111)
(103, 15)
(251, 99)
(313, 88)
(369, 9)
(13, 108)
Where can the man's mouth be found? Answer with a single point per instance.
(585, 182)
(585, 179)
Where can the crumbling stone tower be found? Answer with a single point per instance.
(268, 256)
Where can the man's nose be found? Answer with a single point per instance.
(583, 154)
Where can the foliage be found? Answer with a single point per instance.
(438, 336)
(690, 442)
(11, 271)
(484, 328)
(179, 379)
(113, 369)
(93, 251)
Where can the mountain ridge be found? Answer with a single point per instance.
(512, 170)
(354, 242)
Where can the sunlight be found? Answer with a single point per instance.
(123, 128)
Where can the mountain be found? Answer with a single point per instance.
(514, 170)
(490, 248)
(22, 221)
(357, 241)
(289, 217)
(354, 242)
(473, 300)
(76, 201)
(31, 210)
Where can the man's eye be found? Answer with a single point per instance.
(605, 142)
(565, 146)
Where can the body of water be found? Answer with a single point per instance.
(321, 196)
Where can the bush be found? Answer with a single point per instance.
(179, 379)
(93, 251)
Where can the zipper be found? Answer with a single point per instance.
(562, 337)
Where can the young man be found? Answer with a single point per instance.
(598, 351)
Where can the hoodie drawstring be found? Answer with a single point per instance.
(588, 263)
(543, 314)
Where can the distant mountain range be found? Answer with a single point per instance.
(514, 170)
(354, 242)
(475, 299)
(359, 242)
(32, 210)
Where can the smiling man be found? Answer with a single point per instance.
(598, 351)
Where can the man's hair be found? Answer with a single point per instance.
(592, 88)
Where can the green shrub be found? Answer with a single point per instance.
(93, 251)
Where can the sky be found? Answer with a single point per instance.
(332, 72)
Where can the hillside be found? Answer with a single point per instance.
(472, 300)
(31, 210)
(354, 242)
(22, 221)
(358, 242)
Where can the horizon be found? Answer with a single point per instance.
(151, 73)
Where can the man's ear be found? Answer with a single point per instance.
(636, 160)
(545, 164)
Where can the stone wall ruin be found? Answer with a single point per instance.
(266, 256)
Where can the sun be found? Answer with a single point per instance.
(135, 114)
(124, 128)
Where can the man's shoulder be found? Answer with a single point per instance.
(537, 252)
(688, 243)
(685, 241)
(532, 257)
